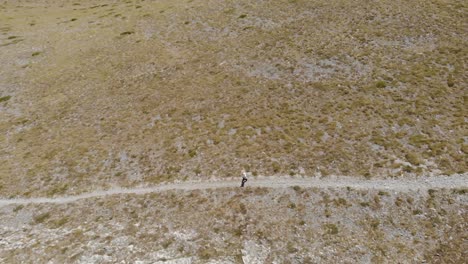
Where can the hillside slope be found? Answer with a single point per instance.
(101, 93)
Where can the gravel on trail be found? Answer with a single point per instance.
(401, 185)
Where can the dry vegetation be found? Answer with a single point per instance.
(101, 93)
(138, 92)
(292, 225)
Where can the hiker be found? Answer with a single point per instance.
(244, 180)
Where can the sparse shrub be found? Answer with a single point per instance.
(367, 174)
(340, 202)
(413, 158)
(398, 201)
(380, 84)
(331, 229)
(37, 53)
(418, 140)
(460, 191)
(276, 167)
(325, 172)
(464, 148)
(17, 208)
(377, 199)
(61, 222)
(450, 81)
(383, 193)
(5, 98)
(192, 153)
(58, 189)
(327, 213)
(167, 243)
(410, 200)
(243, 16)
(207, 253)
(238, 232)
(417, 212)
(41, 217)
(127, 33)
(364, 204)
(291, 248)
(242, 208)
(374, 223)
(407, 169)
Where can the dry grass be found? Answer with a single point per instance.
(148, 91)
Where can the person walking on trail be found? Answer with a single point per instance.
(244, 180)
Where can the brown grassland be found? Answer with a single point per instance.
(95, 94)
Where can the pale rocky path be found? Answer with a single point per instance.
(400, 185)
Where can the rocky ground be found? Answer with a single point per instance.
(313, 220)
(250, 225)
(102, 93)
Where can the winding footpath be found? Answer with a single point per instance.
(457, 181)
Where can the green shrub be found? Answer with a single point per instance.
(381, 84)
(5, 98)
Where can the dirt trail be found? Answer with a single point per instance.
(399, 185)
